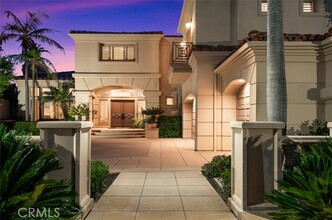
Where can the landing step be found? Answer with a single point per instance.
(119, 133)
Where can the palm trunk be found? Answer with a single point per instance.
(33, 93)
(27, 95)
(276, 93)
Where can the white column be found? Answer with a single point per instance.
(152, 98)
(82, 96)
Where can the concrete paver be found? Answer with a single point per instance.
(163, 181)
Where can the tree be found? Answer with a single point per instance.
(327, 4)
(276, 92)
(61, 96)
(6, 74)
(27, 33)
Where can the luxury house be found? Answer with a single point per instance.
(211, 75)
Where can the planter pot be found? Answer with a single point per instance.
(80, 117)
(151, 125)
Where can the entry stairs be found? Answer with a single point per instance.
(119, 133)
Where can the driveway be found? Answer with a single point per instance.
(149, 154)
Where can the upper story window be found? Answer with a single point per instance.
(117, 52)
(262, 7)
(311, 7)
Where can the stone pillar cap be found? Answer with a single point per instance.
(257, 124)
(64, 124)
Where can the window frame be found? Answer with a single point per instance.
(111, 47)
(259, 7)
(320, 13)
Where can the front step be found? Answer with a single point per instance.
(119, 133)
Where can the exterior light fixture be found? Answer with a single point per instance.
(183, 44)
(188, 24)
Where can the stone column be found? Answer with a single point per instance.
(152, 98)
(329, 125)
(82, 96)
(72, 142)
(256, 163)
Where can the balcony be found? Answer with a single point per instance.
(180, 70)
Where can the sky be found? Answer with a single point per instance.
(91, 15)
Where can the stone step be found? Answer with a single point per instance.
(118, 133)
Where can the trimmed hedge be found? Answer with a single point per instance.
(170, 127)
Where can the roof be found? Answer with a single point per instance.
(255, 35)
(106, 32)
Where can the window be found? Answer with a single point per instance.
(262, 7)
(170, 101)
(117, 52)
(311, 7)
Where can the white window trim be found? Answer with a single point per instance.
(259, 8)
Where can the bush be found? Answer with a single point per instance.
(170, 127)
(27, 127)
(138, 123)
(23, 166)
(99, 172)
(316, 127)
(306, 188)
(220, 167)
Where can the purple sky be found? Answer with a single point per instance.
(92, 15)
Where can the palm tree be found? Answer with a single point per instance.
(27, 33)
(276, 93)
(61, 96)
(34, 57)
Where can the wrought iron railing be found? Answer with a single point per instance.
(181, 52)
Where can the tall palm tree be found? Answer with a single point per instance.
(35, 60)
(276, 92)
(61, 96)
(27, 33)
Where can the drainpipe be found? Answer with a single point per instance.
(214, 112)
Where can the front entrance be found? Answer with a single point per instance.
(122, 113)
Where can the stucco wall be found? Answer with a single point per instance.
(225, 21)
(304, 81)
(87, 53)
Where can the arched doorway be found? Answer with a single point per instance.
(117, 106)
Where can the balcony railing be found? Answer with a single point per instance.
(181, 52)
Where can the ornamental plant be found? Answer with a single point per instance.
(23, 166)
(306, 188)
(79, 110)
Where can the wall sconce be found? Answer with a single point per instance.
(188, 24)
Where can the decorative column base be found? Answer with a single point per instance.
(151, 133)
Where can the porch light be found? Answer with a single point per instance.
(188, 24)
(183, 44)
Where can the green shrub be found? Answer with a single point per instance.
(306, 188)
(26, 127)
(316, 127)
(220, 167)
(170, 127)
(138, 123)
(23, 166)
(9, 125)
(99, 172)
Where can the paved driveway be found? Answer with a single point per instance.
(150, 154)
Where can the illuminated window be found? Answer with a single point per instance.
(117, 52)
(170, 101)
(311, 7)
(264, 6)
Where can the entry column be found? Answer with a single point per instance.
(152, 98)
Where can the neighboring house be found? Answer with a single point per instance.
(43, 110)
(212, 75)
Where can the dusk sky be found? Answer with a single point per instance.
(92, 15)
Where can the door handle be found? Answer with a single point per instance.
(123, 116)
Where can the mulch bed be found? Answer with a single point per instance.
(107, 182)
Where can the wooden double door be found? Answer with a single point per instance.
(122, 113)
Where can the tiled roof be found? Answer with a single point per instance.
(173, 36)
(106, 32)
(214, 47)
(255, 35)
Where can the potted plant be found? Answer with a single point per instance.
(79, 112)
(153, 115)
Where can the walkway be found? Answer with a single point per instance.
(159, 179)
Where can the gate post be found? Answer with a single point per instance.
(256, 163)
(72, 142)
